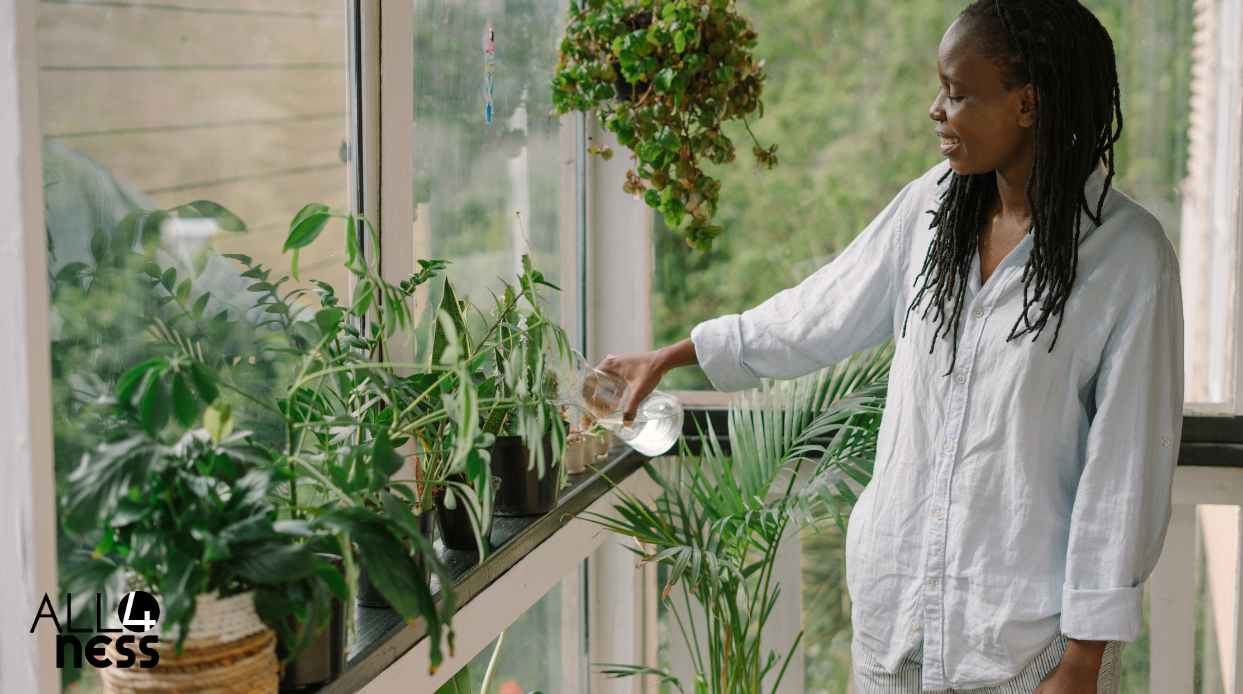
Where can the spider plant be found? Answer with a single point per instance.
(719, 519)
(511, 387)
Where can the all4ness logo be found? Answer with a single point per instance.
(138, 612)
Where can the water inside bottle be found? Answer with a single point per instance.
(656, 425)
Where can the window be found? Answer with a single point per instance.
(148, 106)
(538, 652)
(488, 150)
(846, 150)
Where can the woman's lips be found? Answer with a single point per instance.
(949, 144)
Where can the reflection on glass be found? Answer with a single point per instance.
(530, 656)
(487, 151)
(847, 96)
(157, 107)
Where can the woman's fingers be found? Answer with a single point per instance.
(640, 374)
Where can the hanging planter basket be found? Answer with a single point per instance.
(229, 649)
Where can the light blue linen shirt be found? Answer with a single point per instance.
(1029, 491)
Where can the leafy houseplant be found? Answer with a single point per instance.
(333, 471)
(718, 524)
(189, 514)
(664, 76)
(513, 391)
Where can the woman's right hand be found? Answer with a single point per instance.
(642, 371)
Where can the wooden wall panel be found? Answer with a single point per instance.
(91, 36)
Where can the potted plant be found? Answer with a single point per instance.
(665, 76)
(182, 510)
(350, 409)
(529, 426)
(335, 488)
(514, 403)
(719, 521)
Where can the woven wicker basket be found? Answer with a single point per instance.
(228, 649)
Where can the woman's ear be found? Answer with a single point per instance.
(1027, 106)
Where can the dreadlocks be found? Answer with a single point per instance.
(1063, 51)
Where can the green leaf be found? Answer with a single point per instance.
(328, 319)
(128, 384)
(184, 404)
(154, 407)
(664, 79)
(169, 279)
(362, 298)
(218, 421)
(204, 382)
(455, 333)
(352, 251)
(272, 563)
(205, 209)
(200, 305)
(307, 225)
(384, 458)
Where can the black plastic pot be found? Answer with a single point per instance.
(370, 596)
(522, 492)
(455, 530)
(323, 660)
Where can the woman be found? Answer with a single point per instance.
(1021, 489)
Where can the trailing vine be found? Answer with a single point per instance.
(664, 76)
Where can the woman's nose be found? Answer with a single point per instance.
(936, 112)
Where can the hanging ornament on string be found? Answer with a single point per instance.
(489, 70)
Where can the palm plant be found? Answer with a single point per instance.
(718, 524)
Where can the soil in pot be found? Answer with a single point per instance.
(323, 660)
(523, 492)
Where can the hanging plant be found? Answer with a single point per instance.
(663, 76)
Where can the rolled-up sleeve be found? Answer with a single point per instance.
(1122, 504)
(845, 306)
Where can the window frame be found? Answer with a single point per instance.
(27, 660)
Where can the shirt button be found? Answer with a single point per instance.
(977, 313)
(960, 378)
(936, 513)
(932, 581)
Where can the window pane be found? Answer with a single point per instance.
(489, 152)
(846, 98)
(150, 106)
(539, 651)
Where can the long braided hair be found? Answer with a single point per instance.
(1067, 55)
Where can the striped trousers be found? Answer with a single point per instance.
(870, 676)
